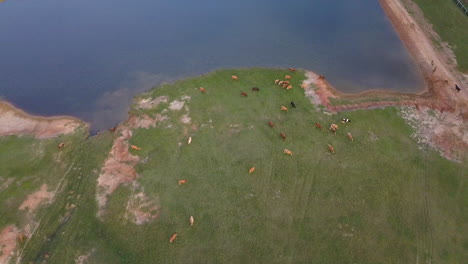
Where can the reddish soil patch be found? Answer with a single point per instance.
(119, 167)
(16, 122)
(8, 237)
(35, 199)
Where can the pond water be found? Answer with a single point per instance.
(88, 58)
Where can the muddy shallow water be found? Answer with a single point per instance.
(88, 58)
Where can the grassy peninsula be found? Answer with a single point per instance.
(381, 198)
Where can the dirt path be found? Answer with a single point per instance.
(437, 66)
(16, 122)
(446, 128)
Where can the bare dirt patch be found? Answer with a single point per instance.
(8, 238)
(37, 198)
(445, 132)
(147, 103)
(185, 119)
(140, 208)
(119, 166)
(176, 105)
(16, 122)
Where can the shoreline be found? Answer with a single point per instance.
(438, 94)
(15, 121)
(439, 77)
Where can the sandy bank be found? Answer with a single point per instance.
(14, 121)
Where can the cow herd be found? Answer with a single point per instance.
(286, 83)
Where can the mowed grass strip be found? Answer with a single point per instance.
(379, 199)
(451, 24)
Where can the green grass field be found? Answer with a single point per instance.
(379, 199)
(451, 24)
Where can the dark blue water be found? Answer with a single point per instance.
(88, 58)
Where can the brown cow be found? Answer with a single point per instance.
(112, 129)
(173, 237)
(61, 145)
(321, 77)
(191, 220)
(277, 81)
(135, 147)
(288, 152)
(280, 83)
(202, 90)
(255, 89)
(289, 87)
(292, 69)
(287, 77)
(283, 135)
(318, 125)
(251, 170)
(271, 124)
(244, 94)
(182, 181)
(333, 128)
(286, 82)
(284, 108)
(350, 137)
(234, 77)
(331, 148)
(285, 85)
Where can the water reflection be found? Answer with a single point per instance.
(84, 57)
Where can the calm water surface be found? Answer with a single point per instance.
(88, 58)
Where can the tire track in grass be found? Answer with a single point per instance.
(428, 239)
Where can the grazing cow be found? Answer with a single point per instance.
(293, 104)
(135, 147)
(251, 170)
(350, 137)
(112, 129)
(271, 124)
(284, 108)
(255, 89)
(277, 81)
(182, 181)
(202, 90)
(189, 140)
(283, 135)
(333, 128)
(345, 120)
(234, 77)
(286, 82)
(318, 125)
(288, 152)
(285, 85)
(457, 88)
(191, 220)
(280, 83)
(289, 87)
(287, 77)
(321, 77)
(61, 145)
(331, 148)
(292, 69)
(173, 237)
(244, 94)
